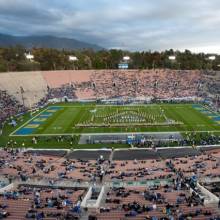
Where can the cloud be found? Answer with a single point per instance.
(133, 25)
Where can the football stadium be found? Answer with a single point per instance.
(100, 120)
(110, 144)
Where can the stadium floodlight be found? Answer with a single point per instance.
(73, 58)
(212, 58)
(126, 58)
(172, 57)
(29, 56)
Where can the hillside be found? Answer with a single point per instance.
(45, 42)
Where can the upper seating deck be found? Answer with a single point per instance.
(92, 84)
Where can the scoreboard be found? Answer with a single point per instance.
(123, 66)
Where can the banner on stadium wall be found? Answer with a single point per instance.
(123, 99)
(189, 98)
(58, 100)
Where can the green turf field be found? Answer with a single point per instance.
(68, 119)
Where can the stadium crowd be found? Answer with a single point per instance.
(161, 84)
(9, 106)
(98, 84)
(173, 194)
(64, 93)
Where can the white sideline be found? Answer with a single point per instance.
(113, 133)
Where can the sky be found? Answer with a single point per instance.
(134, 25)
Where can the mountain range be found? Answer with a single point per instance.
(46, 41)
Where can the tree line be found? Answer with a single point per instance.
(13, 59)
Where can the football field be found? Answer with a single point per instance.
(71, 119)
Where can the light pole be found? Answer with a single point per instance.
(29, 56)
(172, 59)
(212, 58)
(126, 58)
(73, 59)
